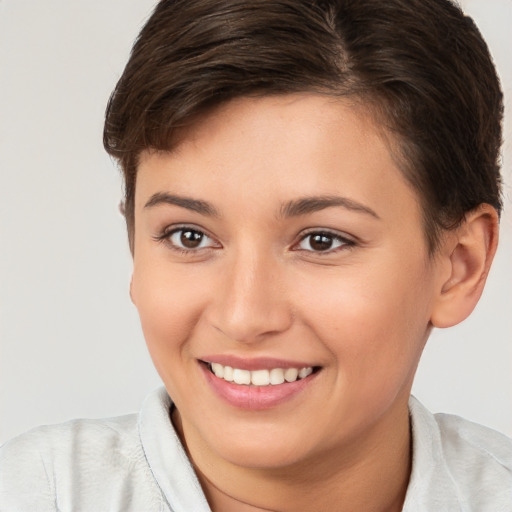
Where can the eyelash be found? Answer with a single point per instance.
(165, 237)
(345, 242)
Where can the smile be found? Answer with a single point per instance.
(270, 377)
(258, 383)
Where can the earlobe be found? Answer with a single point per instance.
(469, 257)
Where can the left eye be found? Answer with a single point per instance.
(189, 239)
(322, 242)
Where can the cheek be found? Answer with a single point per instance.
(169, 305)
(374, 320)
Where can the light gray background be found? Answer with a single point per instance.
(70, 342)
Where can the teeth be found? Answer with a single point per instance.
(241, 376)
(304, 372)
(218, 369)
(273, 377)
(276, 376)
(291, 374)
(260, 378)
(228, 373)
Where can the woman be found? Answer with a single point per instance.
(311, 187)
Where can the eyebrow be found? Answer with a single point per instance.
(292, 208)
(195, 205)
(307, 205)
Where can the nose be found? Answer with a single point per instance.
(251, 303)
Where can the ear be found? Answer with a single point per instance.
(468, 253)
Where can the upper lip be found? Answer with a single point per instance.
(255, 363)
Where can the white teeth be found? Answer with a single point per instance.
(241, 376)
(260, 378)
(228, 373)
(218, 369)
(304, 372)
(273, 377)
(291, 374)
(276, 376)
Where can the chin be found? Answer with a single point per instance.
(265, 456)
(273, 447)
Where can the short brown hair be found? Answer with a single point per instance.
(421, 64)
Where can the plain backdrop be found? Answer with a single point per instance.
(70, 341)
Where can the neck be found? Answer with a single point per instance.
(369, 473)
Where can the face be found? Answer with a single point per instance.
(278, 245)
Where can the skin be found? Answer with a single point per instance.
(256, 287)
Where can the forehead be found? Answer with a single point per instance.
(276, 148)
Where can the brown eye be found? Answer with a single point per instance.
(323, 242)
(320, 242)
(191, 239)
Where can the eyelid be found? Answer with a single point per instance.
(166, 233)
(347, 240)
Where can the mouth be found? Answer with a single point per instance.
(260, 377)
(260, 383)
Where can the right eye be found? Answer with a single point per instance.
(189, 239)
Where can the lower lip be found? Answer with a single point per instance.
(255, 397)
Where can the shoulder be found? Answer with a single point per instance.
(68, 442)
(461, 435)
(458, 464)
(477, 456)
(49, 467)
